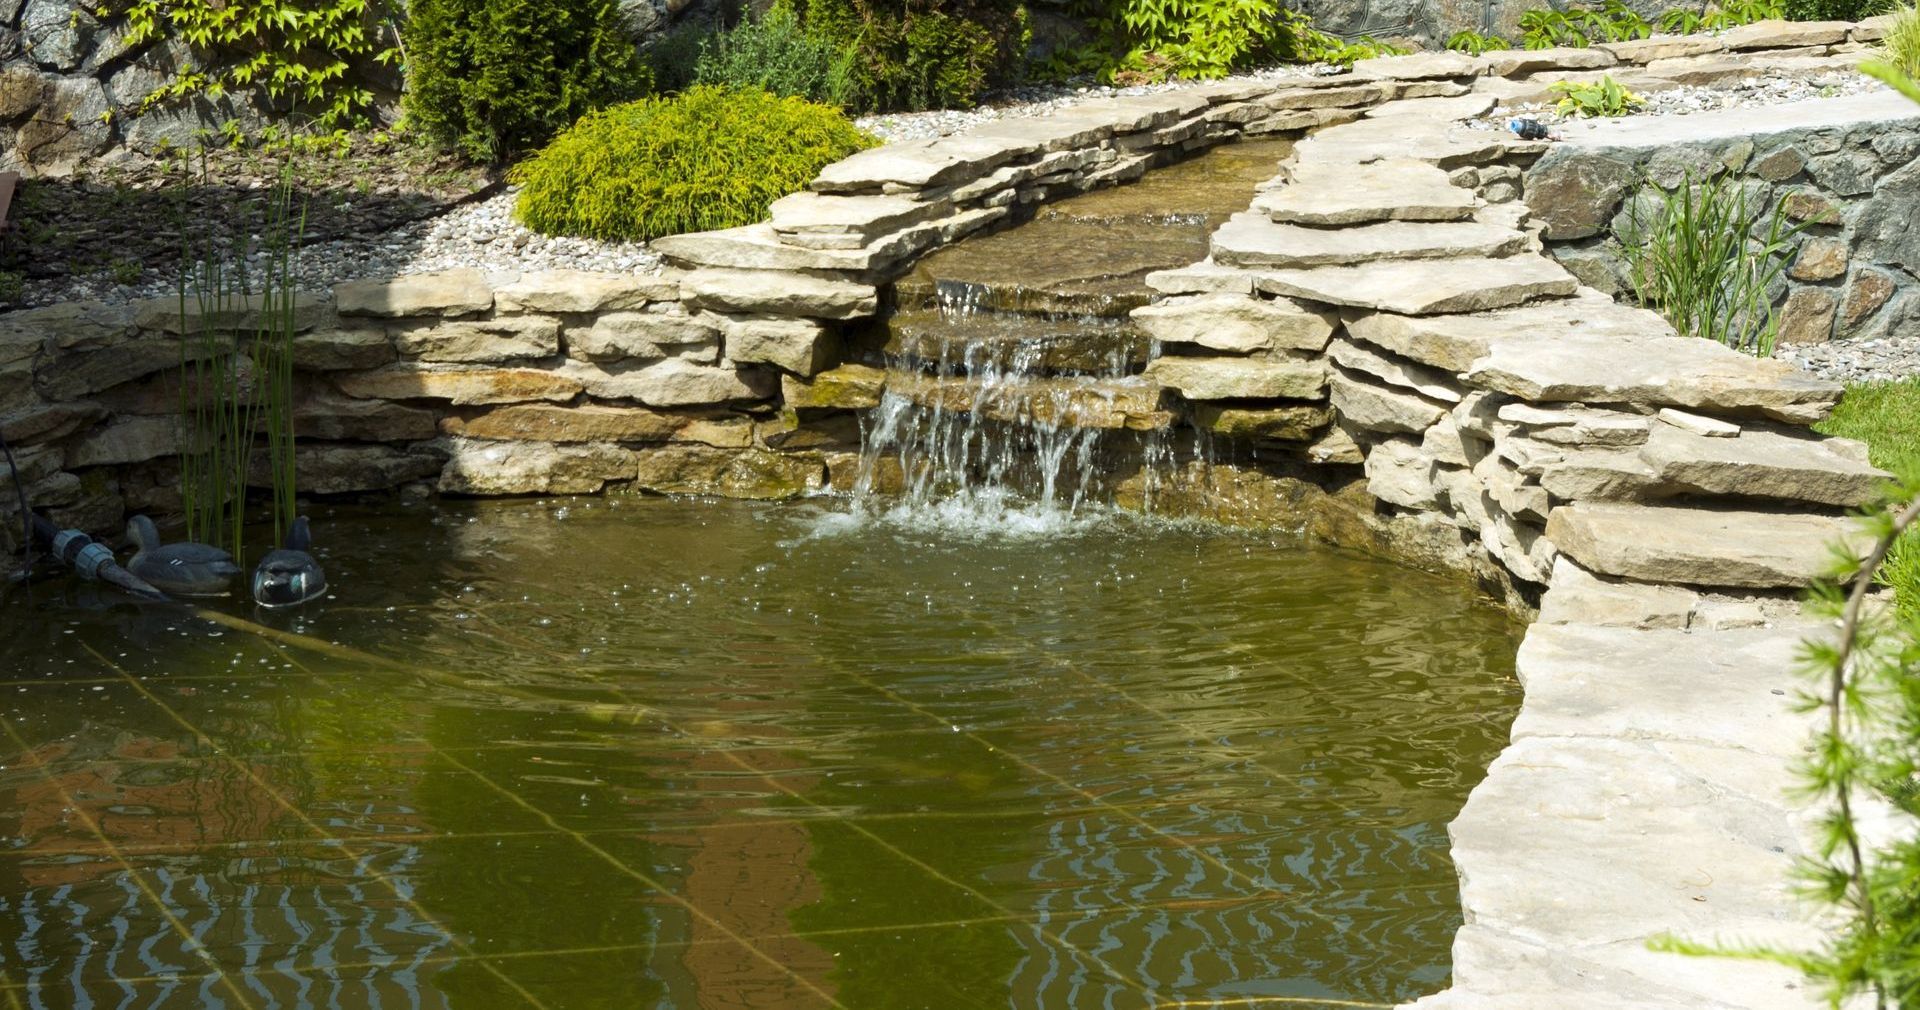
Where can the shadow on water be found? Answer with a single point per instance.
(677, 753)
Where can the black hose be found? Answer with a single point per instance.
(26, 517)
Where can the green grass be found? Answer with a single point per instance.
(1886, 416)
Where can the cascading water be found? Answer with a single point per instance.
(1013, 399)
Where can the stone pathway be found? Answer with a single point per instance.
(1660, 494)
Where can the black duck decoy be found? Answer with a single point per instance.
(185, 569)
(289, 576)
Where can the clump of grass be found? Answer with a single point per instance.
(1708, 262)
(1886, 416)
(1901, 47)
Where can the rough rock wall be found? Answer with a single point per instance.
(1856, 269)
(1432, 22)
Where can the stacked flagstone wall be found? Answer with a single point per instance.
(1851, 181)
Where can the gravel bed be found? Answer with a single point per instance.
(1877, 360)
(481, 234)
(1040, 99)
(1777, 88)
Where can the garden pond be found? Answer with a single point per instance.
(630, 752)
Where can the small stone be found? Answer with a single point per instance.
(848, 387)
(1293, 423)
(131, 440)
(1821, 259)
(1336, 447)
(646, 336)
(1399, 473)
(1808, 316)
(1392, 190)
(800, 346)
(1708, 427)
(1780, 166)
(1868, 291)
(1375, 408)
(342, 350)
(754, 474)
(1577, 596)
(1803, 205)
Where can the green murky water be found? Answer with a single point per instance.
(651, 753)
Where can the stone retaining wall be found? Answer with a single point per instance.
(1850, 173)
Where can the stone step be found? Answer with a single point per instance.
(1055, 402)
(1397, 189)
(1274, 377)
(1700, 547)
(1426, 287)
(1028, 344)
(1760, 463)
(1252, 240)
(1591, 350)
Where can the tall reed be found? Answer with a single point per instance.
(1709, 264)
(236, 360)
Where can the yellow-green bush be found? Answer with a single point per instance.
(704, 159)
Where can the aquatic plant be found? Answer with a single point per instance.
(1708, 264)
(1865, 686)
(234, 396)
(708, 158)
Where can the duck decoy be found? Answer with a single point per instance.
(288, 575)
(185, 569)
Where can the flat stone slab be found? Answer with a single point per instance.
(1253, 240)
(1419, 66)
(778, 293)
(1436, 109)
(1239, 324)
(1427, 287)
(1398, 189)
(1110, 404)
(1591, 350)
(1240, 378)
(1699, 547)
(914, 164)
(1762, 463)
(858, 219)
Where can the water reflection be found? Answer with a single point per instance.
(682, 754)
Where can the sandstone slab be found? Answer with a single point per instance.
(730, 473)
(450, 293)
(1694, 546)
(129, 440)
(1399, 472)
(1428, 382)
(569, 291)
(1290, 423)
(326, 468)
(1377, 408)
(1240, 378)
(1577, 596)
(334, 418)
(342, 350)
(848, 387)
(1395, 189)
(459, 385)
(778, 293)
(1253, 240)
(1236, 324)
(800, 346)
(673, 382)
(496, 468)
(596, 423)
(646, 336)
(1427, 287)
(482, 341)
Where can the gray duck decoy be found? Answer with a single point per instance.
(289, 575)
(179, 569)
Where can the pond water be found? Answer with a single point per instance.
(683, 754)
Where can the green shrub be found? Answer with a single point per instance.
(774, 53)
(1476, 44)
(674, 57)
(922, 54)
(1832, 10)
(709, 158)
(495, 78)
